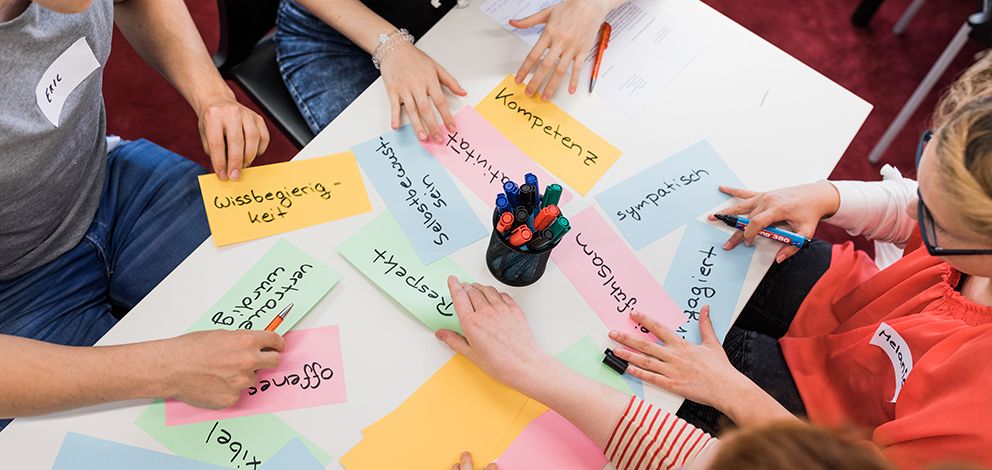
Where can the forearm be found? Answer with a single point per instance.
(592, 407)
(747, 405)
(165, 36)
(42, 378)
(352, 19)
(876, 209)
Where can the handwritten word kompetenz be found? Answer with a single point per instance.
(552, 131)
(665, 188)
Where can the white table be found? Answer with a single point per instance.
(773, 119)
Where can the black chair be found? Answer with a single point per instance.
(247, 56)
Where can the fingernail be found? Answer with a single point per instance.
(235, 174)
(222, 175)
(518, 79)
(614, 335)
(437, 138)
(779, 258)
(451, 127)
(545, 97)
(726, 246)
(422, 136)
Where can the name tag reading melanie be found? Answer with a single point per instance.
(63, 77)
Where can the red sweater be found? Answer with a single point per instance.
(861, 334)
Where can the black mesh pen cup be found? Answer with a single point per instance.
(513, 266)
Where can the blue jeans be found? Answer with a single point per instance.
(323, 70)
(150, 218)
(752, 342)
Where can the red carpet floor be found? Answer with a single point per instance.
(876, 65)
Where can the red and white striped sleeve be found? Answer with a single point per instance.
(649, 438)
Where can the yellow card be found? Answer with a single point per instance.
(548, 135)
(281, 197)
(459, 408)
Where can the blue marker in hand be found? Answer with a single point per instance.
(777, 234)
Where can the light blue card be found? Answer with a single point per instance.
(81, 452)
(295, 456)
(422, 197)
(664, 197)
(703, 273)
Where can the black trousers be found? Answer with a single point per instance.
(752, 342)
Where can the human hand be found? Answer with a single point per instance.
(497, 337)
(571, 29)
(800, 207)
(701, 373)
(231, 134)
(465, 463)
(209, 369)
(413, 80)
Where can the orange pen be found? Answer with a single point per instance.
(279, 318)
(545, 217)
(604, 39)
(505, 222)
(520, 235)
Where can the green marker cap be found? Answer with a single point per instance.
(552, 194)
(559, 226)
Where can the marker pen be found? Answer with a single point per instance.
(545, 217)
(520, 235)
(531, 179)
(551, 195)
(505, 222)
(777, 234)
(511, 190)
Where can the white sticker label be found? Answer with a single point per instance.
(898, 351)
(63, 76)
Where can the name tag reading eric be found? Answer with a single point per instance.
(63, 77)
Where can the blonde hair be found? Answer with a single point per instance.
(963, 138)
(793, 445)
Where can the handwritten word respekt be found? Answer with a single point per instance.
(393, 267)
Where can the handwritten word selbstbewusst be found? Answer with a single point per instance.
(244, 443)
(418, 191)
(665, 196)
(610, 278)
(549, 135)
(278, 198)
(703, 273)
(285, 275)
(310, 373)
(479, 156)
(383, 255)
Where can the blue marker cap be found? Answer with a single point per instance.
(531, 178)
(502, 203)
(511, 190)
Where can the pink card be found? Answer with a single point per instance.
(310, 373)
(550, 441)
(608, 275)
(479, 156)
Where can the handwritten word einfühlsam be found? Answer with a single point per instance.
(703, 273)
(418, 191)
(479, 156)
(665, 196)
(277, 198)
(285, 275)
(242, 443)
(383, 255)
(549, 135)
(310, 373)
(610, 278)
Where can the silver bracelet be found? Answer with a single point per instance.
(388, 42)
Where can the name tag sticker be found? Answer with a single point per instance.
(63, 77)
(898, 351)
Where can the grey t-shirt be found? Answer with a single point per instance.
(51, 162)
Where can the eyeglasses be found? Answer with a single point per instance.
(928, 228)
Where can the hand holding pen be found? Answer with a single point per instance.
(800, 207)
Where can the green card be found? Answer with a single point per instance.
(381, 252)
(285, 275)
(586, 358)
(244, 443)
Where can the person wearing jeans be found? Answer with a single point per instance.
(89, 225)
